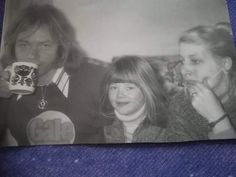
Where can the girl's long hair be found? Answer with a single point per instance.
(137, 70)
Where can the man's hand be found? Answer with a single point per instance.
(4, 88)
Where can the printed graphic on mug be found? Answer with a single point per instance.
(24, 76)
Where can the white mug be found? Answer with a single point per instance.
(23, 77)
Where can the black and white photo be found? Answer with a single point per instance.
(115, 71)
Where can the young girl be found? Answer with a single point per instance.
(134, 101)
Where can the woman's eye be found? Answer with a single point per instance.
(196, 61)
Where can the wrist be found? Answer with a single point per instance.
(212, 124)
(221, 124)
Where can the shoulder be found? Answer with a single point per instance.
(180, 104)
(114, 132)
(230, 108)
(180, 108)
(231, 103)
(148, 132)
(184, 122)
(90, 69)
(88, 74)
(178, 99)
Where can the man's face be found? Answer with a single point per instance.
(37, 46)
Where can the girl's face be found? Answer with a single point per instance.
(126, 98)
(199, 64)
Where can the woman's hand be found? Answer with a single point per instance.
(4, 88)
(205, 102)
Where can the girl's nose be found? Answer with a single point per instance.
(120, 93)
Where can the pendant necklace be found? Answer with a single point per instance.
(43, 103)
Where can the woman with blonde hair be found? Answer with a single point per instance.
(207, 108)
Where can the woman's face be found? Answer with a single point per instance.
(200, 64)
(126, 98)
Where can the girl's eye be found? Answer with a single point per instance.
(112, 87)
(130, 88)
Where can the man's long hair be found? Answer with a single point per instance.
(70, 54)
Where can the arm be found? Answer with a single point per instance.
(3, 120)
(223, 130)
(206, 103)
(4, 90)
(176, 132)
(183, 122)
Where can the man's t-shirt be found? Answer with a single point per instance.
(70, 118)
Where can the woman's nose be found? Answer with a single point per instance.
(186, 71)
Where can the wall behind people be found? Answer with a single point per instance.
(109, 28)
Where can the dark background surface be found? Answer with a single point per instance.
(206, 158)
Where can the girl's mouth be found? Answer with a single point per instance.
(121, 104)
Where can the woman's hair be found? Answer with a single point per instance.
(218, 39)
(137, 70)
(70, 55)
(225, 25)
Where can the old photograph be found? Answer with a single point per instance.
(116, 71)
